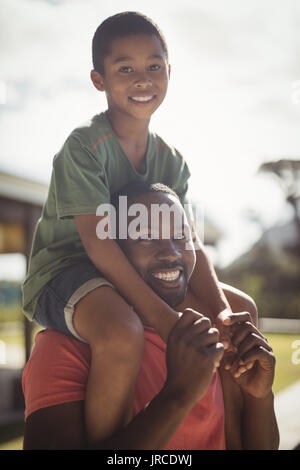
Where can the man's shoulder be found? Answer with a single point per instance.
(51, 343)
(240, 301)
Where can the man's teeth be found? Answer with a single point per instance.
(170, 276)
(141, 98)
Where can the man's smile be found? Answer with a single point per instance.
(168, 278)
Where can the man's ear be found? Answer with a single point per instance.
(97, 80)
(169, 70)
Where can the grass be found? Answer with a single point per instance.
(14, 444)
(285, 373)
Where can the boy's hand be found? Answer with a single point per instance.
(254, 350)
(225, 322)
(193, 353)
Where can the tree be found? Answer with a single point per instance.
(287, 174)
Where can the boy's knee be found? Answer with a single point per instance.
(124, 337)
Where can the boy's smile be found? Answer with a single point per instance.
(136, 75)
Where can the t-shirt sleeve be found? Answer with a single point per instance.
(80, 180)
(181, 186)
(56, 372)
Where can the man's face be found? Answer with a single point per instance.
(136, 75)
(165, 264)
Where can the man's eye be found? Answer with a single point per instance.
(144, 238)
(154, 67)
(126, 69)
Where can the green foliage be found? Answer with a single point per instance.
(271, 277)
(286, 372)
(12, 313)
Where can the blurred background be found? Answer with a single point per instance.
(232, 110)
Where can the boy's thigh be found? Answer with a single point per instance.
(57, 302)
(104, 314)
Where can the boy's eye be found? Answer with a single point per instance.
(126, 69)
(154, 67)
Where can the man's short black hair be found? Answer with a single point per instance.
(120, 25)
(141, 187)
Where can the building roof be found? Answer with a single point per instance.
(22, 189)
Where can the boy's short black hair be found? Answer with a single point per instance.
(119, 25)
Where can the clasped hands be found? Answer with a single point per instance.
(247, 355)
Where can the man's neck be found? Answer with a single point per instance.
(191, 301)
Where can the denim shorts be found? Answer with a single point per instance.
(55, 306)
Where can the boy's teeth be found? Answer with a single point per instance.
(171, 276)
(141, 98)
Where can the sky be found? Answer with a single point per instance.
(233, 100)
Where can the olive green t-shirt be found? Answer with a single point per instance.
(88, 169)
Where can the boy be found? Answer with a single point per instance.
(131, 66)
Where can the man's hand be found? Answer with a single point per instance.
(193, 353)
(225, 322)
(252, 348)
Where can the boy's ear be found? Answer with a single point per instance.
(169, 70)
(97, 80)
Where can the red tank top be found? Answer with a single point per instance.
(57, 372)
(203, 427)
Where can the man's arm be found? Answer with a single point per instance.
(56, 427)
(260, 430)
(204, 282)
(258, 421)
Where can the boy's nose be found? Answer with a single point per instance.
(143, 81)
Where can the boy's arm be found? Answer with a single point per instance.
(204, 282)
(108, 257)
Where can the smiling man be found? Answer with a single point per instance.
(181, 398)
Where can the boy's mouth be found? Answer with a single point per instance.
(142, 100)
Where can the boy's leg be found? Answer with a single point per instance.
(116, 337)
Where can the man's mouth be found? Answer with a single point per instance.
(168, 276)
(169, 283)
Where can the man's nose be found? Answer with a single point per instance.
(168, 251)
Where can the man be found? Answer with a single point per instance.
(180, 399)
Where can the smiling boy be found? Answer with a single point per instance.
(115, 148)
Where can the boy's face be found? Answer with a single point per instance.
(164, 263)
(136, 75)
